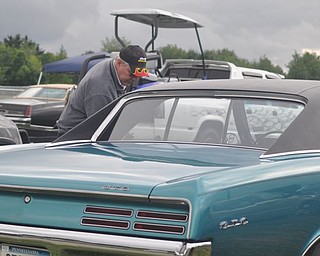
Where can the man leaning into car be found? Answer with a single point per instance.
(102, 84)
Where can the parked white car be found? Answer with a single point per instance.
(189, 69)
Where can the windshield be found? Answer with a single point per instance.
(245, 122)
(38, 92)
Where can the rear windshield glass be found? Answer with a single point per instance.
(246, 122)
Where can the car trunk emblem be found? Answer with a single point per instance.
(116, 187)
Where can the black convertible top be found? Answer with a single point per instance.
(302, 135)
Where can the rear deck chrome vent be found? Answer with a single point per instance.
(152, 227)
(108, 211)
(162, 216)
(106, 223)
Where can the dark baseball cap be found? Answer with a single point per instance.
(136, 57)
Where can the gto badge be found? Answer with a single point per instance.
(115, 187)
(233, 223)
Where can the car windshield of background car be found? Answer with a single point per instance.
(52, 93)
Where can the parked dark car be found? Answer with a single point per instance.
(207, 167)
(37, 109)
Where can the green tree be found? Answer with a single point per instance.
(265, 64)
(224, 55)
(21, 68)
(172, 52)
(48, 57)
(22, 59)
(192, 54)
(6, 55)
(25, 43)
(20, 62)
(112, 44)
(306, 66)
(13, 41)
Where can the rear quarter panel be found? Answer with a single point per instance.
(279, 200)
(281, 203)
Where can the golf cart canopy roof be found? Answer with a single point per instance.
(164, 19)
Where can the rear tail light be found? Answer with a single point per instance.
(105, 223)
(141, 220)
(108, 211)
(162, 216)
(28, 111)
(153, 227)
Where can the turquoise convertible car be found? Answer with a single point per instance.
(211, 167)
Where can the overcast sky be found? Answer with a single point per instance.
(251, 28)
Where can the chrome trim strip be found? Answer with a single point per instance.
(310, 245)
(290, 153)
(19, 119)
(181, 200)
(66, 242)
(38, 127)
(63, 144)
(64, 191)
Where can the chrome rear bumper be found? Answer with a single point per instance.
(74, 243)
